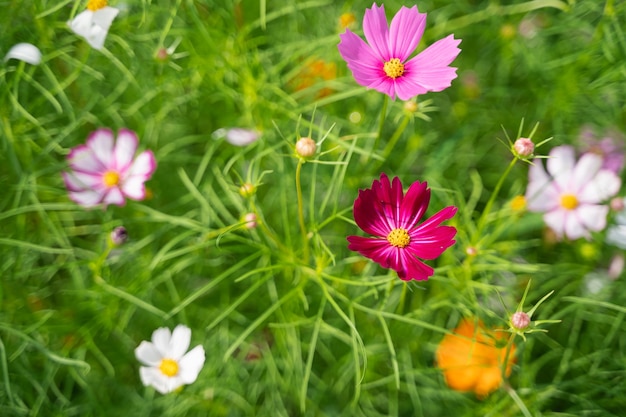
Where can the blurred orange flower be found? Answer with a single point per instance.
(472, 361)
(315, 71)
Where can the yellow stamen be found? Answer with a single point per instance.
(393, 68)
(94, 5)
(399, 238)
(169, 367)
(569, 201)
(111, 179)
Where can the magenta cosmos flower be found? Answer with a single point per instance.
(383, 62)
(384, 211)
(105, 170)
(571, 191)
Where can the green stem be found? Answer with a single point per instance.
(305, 239)
(381, 124)
(483, 217)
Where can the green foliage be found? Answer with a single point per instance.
(292, 322)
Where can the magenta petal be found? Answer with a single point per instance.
(376, 31)
(366, 67)
(405, 32)
(413, 268)
(432, 244)
(439, 217)
(414, 204)
(370, 216)
(430, 68)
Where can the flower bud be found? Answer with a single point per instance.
(247, 190)
(306, 147)
(250, 221)
(617, 204)
(119, 236)
(520, 320)
(161, 54)
(524, 147)
(411, 106)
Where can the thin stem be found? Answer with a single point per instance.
(381, 124)
(305, 239)
(483, 217)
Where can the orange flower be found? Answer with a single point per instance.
(315, 71)
(472, 361)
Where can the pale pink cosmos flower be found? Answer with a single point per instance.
(571, 191)
(393, 218)
(168, 364)
(105, 171)
(383, 62)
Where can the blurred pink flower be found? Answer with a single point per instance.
(571, 191)
(384, 211)
(104, 171)
(610, 147)
(382, 63)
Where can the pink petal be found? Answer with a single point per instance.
(555, 220)
(541, 194)
(134, 188)
(573, 226)
(124, 151)
(434, 244)
(429, 69)
(376, 31)
(82, 158)
(101, 143)
(603, 185)
(560, 166)
(405, 32)
(366, 67)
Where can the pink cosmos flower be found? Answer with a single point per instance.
(384, 211)
(383, 62)
(104, 171)
(570, 192)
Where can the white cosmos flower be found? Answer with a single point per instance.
(570, 193)
(93, 24)
(26, 52)
(168, 367)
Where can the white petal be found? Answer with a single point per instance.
(555, 220)
(604, 185)
(114, 196)
(586, 169)
(593, 216)
(104, 17)
(86, 198)
(96, 37)
(124, 151)
(241, 137)
(541, 195)
(26, 52)
(82, 23)
(83, 159)
(179, 343)
(143, 166)
(574, 227)
(560, 165)
(191, 365)
(148, 354)
(153, 377)
(133, 188)
(161, 340)
(616, 235)
(101, 143)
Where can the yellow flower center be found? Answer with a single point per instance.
(94, 5)
(169, 367)
(111, 179)
(569, 201)
(399, 238)
(393, 68)
(518, 203)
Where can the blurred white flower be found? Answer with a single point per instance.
(570, 193)
(237, 136)
(93, 24)
(26, 52)
(168, 367)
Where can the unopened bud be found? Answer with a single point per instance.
(411, 106)
(520, 320)
(119, 236)
(471, 251)
(247, 190)
(617, 204)
(306, 147)
(250, 220)
(161, 55)
(524, 147)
